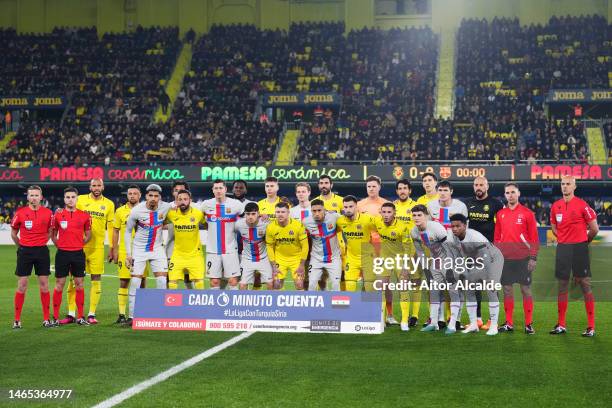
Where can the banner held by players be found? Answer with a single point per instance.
(270, 311)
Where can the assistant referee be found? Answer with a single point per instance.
(570, 217)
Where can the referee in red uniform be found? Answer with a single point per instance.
(516, 235)
(574, 224)
(71, 231)
(30, 231)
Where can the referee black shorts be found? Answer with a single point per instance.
(515, 271)
(69, 262)
(572, 258)
(33, 257)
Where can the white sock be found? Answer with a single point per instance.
(455, 308)
(434, 306)
(215, 288)
(161, 282)
(471, 309)
(442, 308)
(230, 287)
(493, 307)
(134, 284)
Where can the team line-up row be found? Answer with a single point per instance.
(316, 242)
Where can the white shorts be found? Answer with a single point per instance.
(222, 265)
(315, 272)
(156, 259)
(248, 269)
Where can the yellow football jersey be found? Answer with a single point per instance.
(424, 199)
(102, 212)
(266, 207)
(120, 221)
(287, 245)
(186, 231)
(356, 232)
(403, 211)
(395, 237)
(332, 204)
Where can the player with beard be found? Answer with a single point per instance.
(481, 215)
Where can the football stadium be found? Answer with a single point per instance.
(304, 203)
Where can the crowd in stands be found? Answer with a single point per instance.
(385, 78)
(607, 128)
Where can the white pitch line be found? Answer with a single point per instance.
(164, 375)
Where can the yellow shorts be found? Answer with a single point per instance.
(179, 264)
(94, 261)
(286, 269)
(122, 269)
(352, 269)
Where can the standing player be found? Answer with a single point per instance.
(395, 239)
(516, 235)
(332, 202)
(71, 231)
(429, 181)
(357, 231)
(147, 247)
(302, 210)
(430, 239)
(102, 211)
(325, 253)
(239, 191)
(31, 229)
(252, 231)
(445, 206)
(403, 207)
(221, 214)
(177, 186)
(118, 251)
(574, 223)
(481, 215)
(471, 244)
(187, 258)
(371, 205)
(287, 246)
(267, 206)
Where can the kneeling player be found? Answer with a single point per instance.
(187, 255)
(147, 243)
(430, 237)
(287, 246)
(325, 253)
(473, 245)
(252, 230)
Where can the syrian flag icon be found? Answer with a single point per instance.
(341, 301)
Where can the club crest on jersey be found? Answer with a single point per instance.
(334, 204)
(392, 233)
(290, 232)
(64, 224)
(559, 217)
(192, 219)
(228, 211)
(486, 207)
(358, 227)
(330, 227)
(29, 224)
(103, 207)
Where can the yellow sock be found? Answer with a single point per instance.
(199, 284)
(384, 307)
(71, 298)
(415, 297)
(350, 286)
(94, 296)
(405, 307)
(172, 285)
(122, 299)
(447, 312)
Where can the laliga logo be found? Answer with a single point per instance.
(222, 299)
(173, 299)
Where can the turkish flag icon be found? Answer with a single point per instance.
(173, 299)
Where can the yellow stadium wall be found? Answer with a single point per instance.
(118, 15)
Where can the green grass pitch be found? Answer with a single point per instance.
(293, 370)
